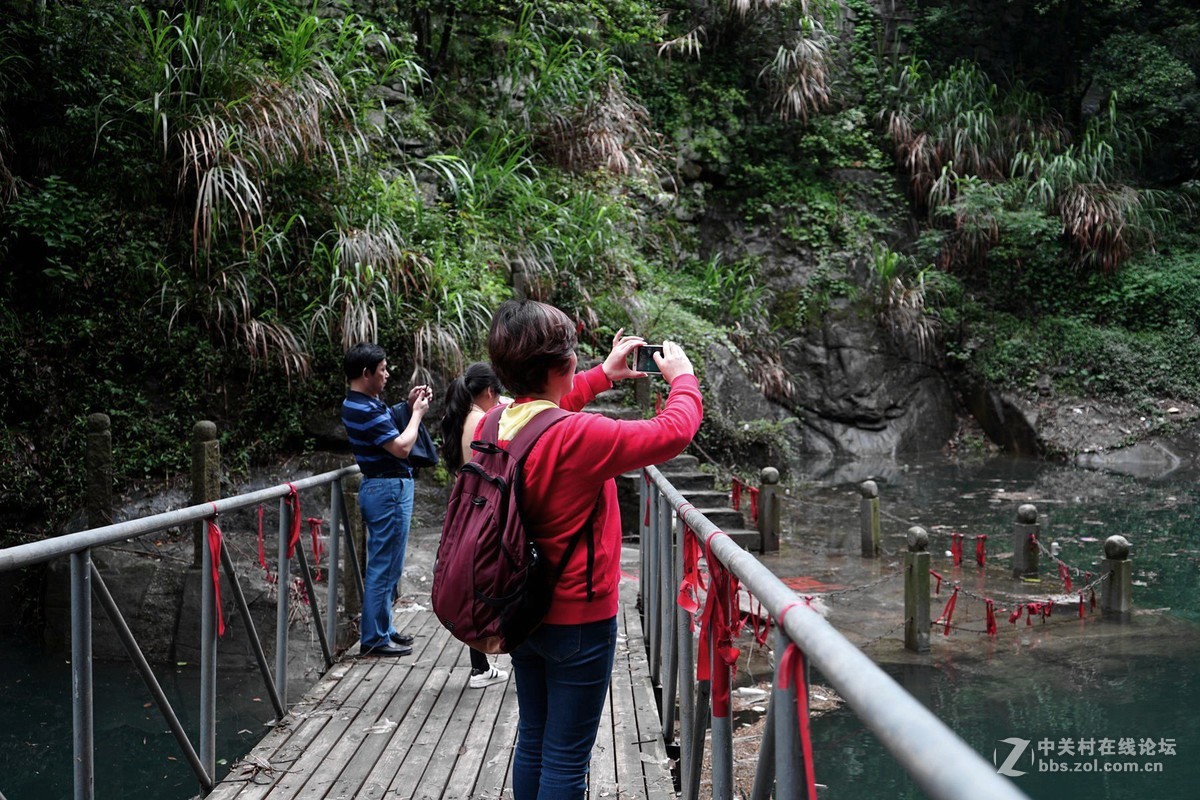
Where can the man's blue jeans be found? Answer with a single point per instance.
(386, 505)
(562, 674)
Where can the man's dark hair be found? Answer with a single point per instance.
(526, 341)
(363, 357)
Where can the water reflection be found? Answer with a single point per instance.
(1052, 683)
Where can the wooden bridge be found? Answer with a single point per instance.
(409, 728)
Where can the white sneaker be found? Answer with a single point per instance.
(485, 679)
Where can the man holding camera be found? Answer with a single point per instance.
(386, 497)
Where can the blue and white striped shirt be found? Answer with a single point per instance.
(369, 426)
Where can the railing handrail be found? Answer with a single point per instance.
(30, 553)
(942, 764)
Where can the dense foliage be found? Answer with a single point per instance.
(202, 203)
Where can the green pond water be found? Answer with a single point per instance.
(1108, 710)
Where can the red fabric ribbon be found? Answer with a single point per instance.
(1081, 612)
(981, 549)
(214, 548)
(293, 500)
(956, 548)
(716, 626)
(314, 530)
(1016, 614)
(991, 617)
(262, 553)
(753, 503)
(938, 590)
(792, 669)
(735, 494)
(693, 581)
(1093, 599)
(1065, 575)
(762, 623)
(948, 611)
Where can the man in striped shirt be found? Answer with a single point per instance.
(386, 497)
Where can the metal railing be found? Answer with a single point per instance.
(86, 581)
(941, 763)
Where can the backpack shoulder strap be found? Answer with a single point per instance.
(527, 437)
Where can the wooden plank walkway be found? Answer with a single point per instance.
(410, 729)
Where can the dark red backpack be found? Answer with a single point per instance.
(492, 586)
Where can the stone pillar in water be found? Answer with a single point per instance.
(206, 477)
(1116, 593)
(99, 471)
(768, 509)
(1025, 546)
(869, 518)
(916, 591)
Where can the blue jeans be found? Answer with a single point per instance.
(386, 505)
(562, 674)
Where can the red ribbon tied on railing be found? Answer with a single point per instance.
(214, 549)
(735, 494)
(293, 501)
(314, 530)
(991, 617)
(1016, 614)
(717, 627)
(937, 590)
(948, 611)
(956, 548)
(1065, 575)
(1081, 612)
(794, 670)
(980, 549)
(262, 553)
(693, 581)
(753, 503)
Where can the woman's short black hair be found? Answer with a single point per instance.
(527, 341)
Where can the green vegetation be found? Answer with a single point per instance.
(202, 203)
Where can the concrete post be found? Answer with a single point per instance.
(350, 486)
(1116, 593)
(99, 469)
(1025, 549)
(869, 518)
(768, 510)
(206, 477)
(916, 591)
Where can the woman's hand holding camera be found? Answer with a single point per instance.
(616, 366)
(673, 362)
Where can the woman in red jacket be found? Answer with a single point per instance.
(562, 671)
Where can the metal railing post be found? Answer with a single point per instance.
(650, 593)
(789, 761)
(722, 724)
(208, 664)
(332, 567)
(282, 590)
(239, 598)
(700, 721)
(671, 675)
(686, 674)
(662, 620)
(81, 675)
(206, 477)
